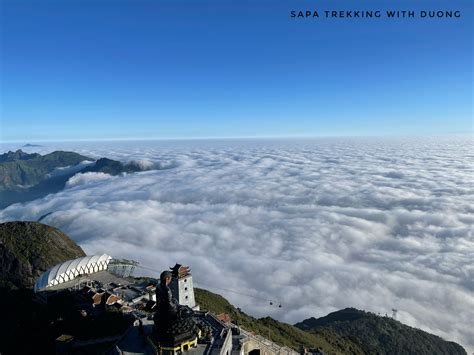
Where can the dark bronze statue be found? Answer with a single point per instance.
(173, 322)
(166, 305)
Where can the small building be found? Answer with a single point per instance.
(182, 286)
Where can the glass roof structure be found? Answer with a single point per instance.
(70, 269)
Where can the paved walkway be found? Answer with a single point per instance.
(133, 343)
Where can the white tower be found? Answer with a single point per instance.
(394, 313)
(182, 286)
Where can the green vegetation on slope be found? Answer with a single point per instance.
(27, 249)
(19, 170)
(380, 335)
(280, 333)
(111, 167)
(25, 177)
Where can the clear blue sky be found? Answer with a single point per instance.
(79, 69)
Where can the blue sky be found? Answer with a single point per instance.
(147, 69)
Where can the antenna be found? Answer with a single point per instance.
(394, 313)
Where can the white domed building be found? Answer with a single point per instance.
(70, 269)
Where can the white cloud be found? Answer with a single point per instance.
(317, 225)
(70, 169)
(88, 179)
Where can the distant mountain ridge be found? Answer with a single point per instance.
(29, 145)
(18, 169)
(25, 177)
(380, 335)
(347, 331)
(111, 167)
(18, 155)
(281, 333)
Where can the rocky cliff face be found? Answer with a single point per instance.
(27, 249)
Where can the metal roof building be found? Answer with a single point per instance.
(70, 269)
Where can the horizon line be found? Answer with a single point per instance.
(138, 139)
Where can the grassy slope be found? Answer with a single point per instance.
(36, 242)
(281, 333)
(29, 248)
(381, 335)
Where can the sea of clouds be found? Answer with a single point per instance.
(316, 225)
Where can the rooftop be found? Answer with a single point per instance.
(102, 277)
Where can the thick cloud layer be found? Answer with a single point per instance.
(316, 225)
